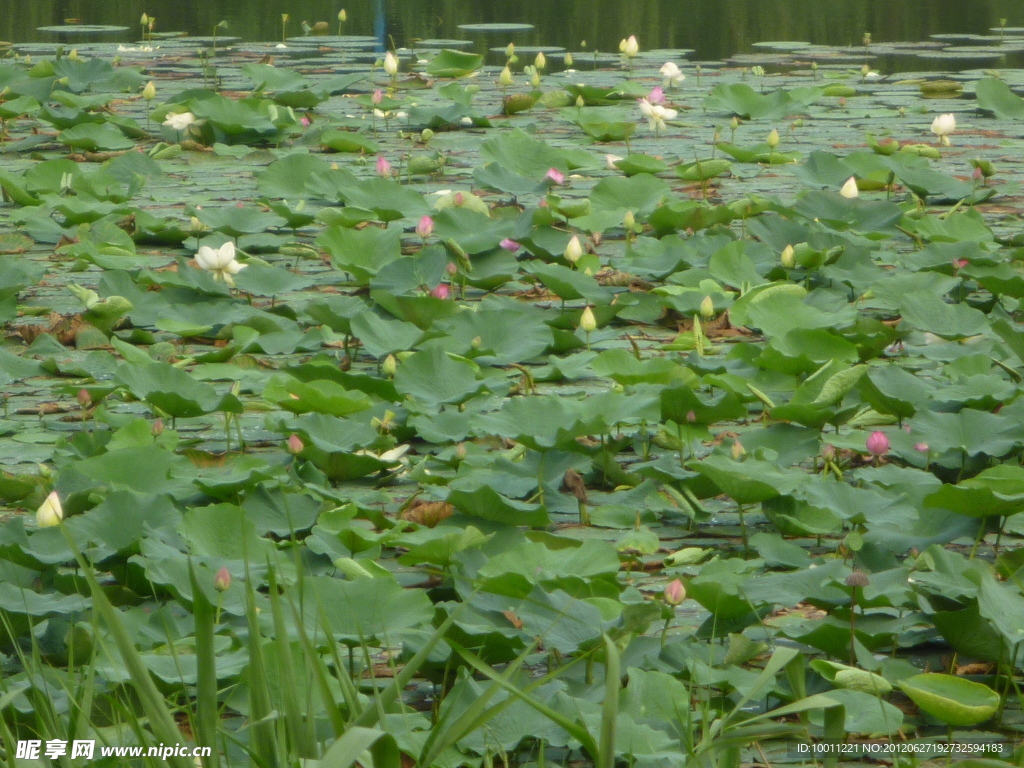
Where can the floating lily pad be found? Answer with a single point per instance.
(83, 29)
(496, 27)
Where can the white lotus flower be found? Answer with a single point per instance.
(220, 261)
(390, 64)
(629, 46)
(179, 121)
(656, 114)
(942, 126)
(671, 73)
(849, 190)
(611, 161)
(50, 512)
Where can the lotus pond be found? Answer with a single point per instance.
(508, 408)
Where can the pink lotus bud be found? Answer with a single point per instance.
(459, 200)
(425, 227)
(656, 96)
(977, 175)
(675, 593)
(922, 447)
(828, 453)
(960, 263)
(377, 97)
(450, 268)
(222, 580)
(842, 102)
(554, 175)
(691, 417)
(84, 398)
(295, 444)
(510, 245)
(306, 122)
(158, 428)
(877, 444)
(442, 291)
(383, 166)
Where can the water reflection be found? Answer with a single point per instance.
(715, 28)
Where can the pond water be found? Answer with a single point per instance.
(715, 29)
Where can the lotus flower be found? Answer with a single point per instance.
(555, 176)
(510, 245)
(675, 593)
(788, 257)
(149, 93)
(425, 227)
(573, 251)
(656, 96)
(630, 47)
(610, 161)
(220, 261)
(849, 190)
(179, 121)
(222, 581)
(942, 126)
(877, 444)
(656, 114)
(295, 444)
(390, 64)
(587, 320)
(671, 73)
(442, 291)
(383, 166)
(50, 512)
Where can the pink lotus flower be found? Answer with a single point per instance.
(383, 166)
(442, 291)
(921, 447)
(306, 122)
(510, 245)
(555, 176)
(450, 268)
(377, 97)
(222, 581)
(675, 593)
(459, 200)
(425, 227)
(877, 444)
(656, 96)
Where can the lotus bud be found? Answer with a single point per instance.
(573, 251)
(828, 453)
(459, 200)
(849, 190)
(877, 444)
(158, 428)
(737, 451)
(675, 593)
(505, 78)
(555, 175)
(425, 227)
(50, 512)
(426, 135)
(510, 245)
(284, 18)
(587, 320)
(535, 79)
(441, 291)
(629, 221)
(691, 417)
(579, 102)
(377, 97)
(773, 139)
(476, 342)
(540, 62)
(707, 307)
(450, 268)
(74, 55)
(342, 16)
(295, 444)
(389, 366)
(383, 166)
(567, 60)
(144, 21)
(84, 398)
(390, 64)
(788, 258)
(460, 452)
(222, 581)
(921, 447)
(630, 46)
(734, 123)
(149, 92)
(510, 50)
